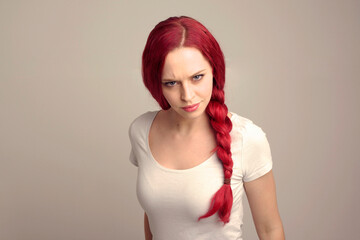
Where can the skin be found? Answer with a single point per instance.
(261, 194)
(186, 80)
(148, 235)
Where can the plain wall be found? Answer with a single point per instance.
(70, 84)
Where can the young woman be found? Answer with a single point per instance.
(195, 158)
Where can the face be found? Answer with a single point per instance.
(187, 82)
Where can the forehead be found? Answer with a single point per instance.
(183, 62)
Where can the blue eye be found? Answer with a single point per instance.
(170, 84)
(198, 77)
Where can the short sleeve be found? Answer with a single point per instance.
(256, 154)
(132, 156)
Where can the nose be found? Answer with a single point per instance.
(187, 92)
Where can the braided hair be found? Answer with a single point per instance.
(183, 31)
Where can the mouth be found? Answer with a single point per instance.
(191, 108)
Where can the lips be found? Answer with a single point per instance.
(191, 108)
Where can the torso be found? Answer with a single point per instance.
(174, 199)
(174, 151)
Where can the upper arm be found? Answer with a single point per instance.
(256, 153)
(147, 231)
(261, 194)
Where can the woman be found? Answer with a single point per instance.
(194, 158)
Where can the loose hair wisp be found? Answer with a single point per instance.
(183, 31)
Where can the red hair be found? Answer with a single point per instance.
(184, 31)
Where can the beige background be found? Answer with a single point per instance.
(70, 85)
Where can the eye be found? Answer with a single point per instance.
(169, 84)
(198, 77)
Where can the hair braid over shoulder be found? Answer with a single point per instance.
(221, 123)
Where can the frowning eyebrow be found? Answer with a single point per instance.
(171, 80)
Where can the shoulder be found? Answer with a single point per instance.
(255, 153)
(244, 128)
(143, 119)
(141, 123)
(246, 135)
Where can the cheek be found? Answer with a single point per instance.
(206, 88)
(169, 96)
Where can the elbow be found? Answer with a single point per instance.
(272, 233)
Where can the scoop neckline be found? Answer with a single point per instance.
(157, 164)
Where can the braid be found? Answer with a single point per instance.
(221, 123)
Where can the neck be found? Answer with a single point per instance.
(186, 126)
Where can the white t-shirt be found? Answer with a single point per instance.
(175, 199)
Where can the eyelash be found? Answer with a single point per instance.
(172, 83)
(199, 75)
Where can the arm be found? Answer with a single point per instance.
(148, 235)
(261, 194)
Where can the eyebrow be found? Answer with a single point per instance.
(171, 80)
